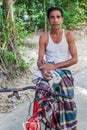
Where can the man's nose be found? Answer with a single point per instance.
(55, 19)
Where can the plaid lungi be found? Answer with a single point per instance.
(65, 110)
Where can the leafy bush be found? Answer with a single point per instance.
(26, 65)
(80, 15)
(8, 55)
(70, 21)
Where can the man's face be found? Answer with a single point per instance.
(55, 19)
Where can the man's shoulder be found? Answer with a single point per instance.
(44, 35)
(69, 35)
(68, 32)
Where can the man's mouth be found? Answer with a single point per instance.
(56, 24)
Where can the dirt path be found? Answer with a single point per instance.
(81, 43)
(6, 104)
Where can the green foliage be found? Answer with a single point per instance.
(6, 33)
(26, 65)
(1, 16)
(8, 55)
(74, 12)
(81, 14)
(23, 65)
(21, 31)
(70, 21)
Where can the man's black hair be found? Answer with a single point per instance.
(52, 9)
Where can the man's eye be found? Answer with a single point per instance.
(58, 16)
(51, 17)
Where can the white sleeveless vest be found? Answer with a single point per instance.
(57, 52)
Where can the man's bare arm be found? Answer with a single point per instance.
(42, 46)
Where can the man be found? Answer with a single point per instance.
(57, 51)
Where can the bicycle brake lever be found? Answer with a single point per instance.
(16, 94)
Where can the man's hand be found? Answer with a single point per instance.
(46, 70)
(46, 74)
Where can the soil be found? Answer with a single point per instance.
(6, 104)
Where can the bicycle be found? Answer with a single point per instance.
(39, 112)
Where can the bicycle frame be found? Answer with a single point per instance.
(39, 113)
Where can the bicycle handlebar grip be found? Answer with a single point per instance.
(11, 95)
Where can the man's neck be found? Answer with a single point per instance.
(57, 31)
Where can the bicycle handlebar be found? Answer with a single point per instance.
(16, 90)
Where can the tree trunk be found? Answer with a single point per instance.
(8, 22)
(30, 12)
(45, 16)
(8, 10)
